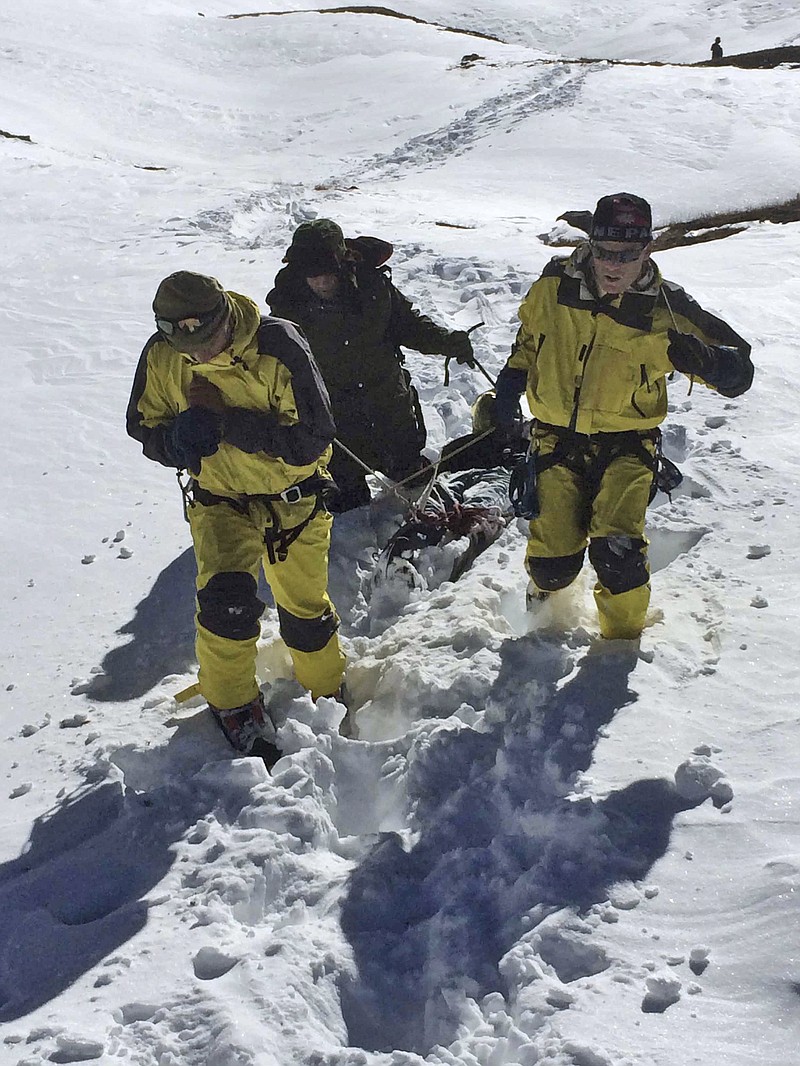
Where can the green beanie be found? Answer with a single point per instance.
(317, 248)
(189, 309)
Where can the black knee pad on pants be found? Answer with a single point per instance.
(620, 562)
(229, 606)
(307, 634)
(550, 575)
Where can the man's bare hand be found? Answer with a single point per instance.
(203, 394)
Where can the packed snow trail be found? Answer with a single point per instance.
(215, 891)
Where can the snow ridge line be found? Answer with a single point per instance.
(369, 9)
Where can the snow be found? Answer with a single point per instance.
(543, 849)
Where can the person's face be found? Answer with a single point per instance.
(216, 343)
(324, 285)
(617, 265)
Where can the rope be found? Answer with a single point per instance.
(426, 495)
(450, 455)
(395, 486)
(387, 482)
(492, 381)
(669, 308)
(675, 324)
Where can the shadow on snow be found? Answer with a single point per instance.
(162, 629)
(78, 891)
(496, 837)
(75, 894)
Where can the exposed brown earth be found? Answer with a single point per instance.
(715, 227)
(367, 9)
(16, 136)
(766, 59)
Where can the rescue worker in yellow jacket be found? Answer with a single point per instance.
(600, 332)
(238, 401)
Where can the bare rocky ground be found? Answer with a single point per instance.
(765, 59)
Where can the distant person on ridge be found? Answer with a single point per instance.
(716, 49)
(600, 332)
(340, 294)
(237, 400)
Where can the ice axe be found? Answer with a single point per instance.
(475, 363)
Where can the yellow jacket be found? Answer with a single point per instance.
(599, 364)
(277, 427)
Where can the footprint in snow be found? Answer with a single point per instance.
(662, 992)
(209, 963)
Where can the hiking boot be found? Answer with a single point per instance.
(534, 596)
(244, 726)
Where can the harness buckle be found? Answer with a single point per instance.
(294, 494)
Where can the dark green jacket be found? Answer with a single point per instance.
(355, 341)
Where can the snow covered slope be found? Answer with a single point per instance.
(542, 850)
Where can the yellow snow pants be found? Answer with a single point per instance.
(230, 551)
(608, 515)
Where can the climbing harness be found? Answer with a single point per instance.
(277, 537)
(588, 456)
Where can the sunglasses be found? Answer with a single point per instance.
(627, 255)
(194, 324)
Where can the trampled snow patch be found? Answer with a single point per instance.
(534, 853)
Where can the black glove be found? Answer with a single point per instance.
(458, 346)
(511, 442)
(690, 355)
(505, 434)
(193, 435)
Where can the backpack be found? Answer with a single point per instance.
(371, 251)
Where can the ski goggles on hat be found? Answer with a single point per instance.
(625, 255)
(194, 325)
